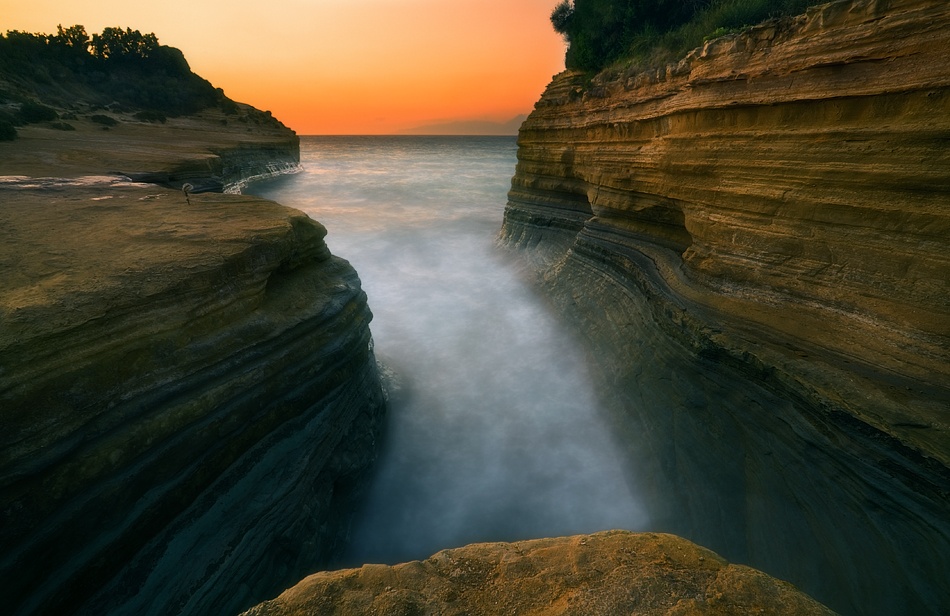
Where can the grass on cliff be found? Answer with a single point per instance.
(602, 33)
(720, 18)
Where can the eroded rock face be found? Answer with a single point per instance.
(187, 392)
(614, 572)
(755, 242)
(210, 150)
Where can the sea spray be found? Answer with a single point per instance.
(496, 432)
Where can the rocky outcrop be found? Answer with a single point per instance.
(755, 243)
(228, 168)
(605, 573)
(211, 150)
(187, 393)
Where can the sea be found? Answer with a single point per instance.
(495, 432)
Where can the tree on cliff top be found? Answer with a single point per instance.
(113, 43)
(599, 32)
(118, 65)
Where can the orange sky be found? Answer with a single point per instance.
(342, 66)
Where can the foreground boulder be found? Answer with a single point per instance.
(613, 572)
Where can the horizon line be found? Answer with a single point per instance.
(406, 135)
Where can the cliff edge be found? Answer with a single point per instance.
(755, 242)
(188, 392)
(612, 572)
(211, 150)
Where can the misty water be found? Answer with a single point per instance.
(495, 434)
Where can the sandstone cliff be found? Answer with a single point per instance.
(184, 391)
(188, 393)
(211, 150)
(755, 241)
(605, 573)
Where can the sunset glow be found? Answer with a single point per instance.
(343, 66)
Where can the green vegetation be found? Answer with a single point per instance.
(602, 32)
(7, 131)
(116, 66)
(103, 119)
(31, 113)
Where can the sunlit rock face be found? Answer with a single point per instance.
(606, 573)
(187, 395)
(755, 243)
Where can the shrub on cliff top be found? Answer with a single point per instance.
(7, 131)
(720, 17)
(34, 112)
(600, 32)
(103, 119)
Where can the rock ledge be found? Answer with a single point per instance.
(614, 572)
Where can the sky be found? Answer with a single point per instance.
(342, 66)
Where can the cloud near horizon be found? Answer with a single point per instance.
(344, 66)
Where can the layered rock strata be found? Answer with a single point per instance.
(210, 150)
(187, 393)
(605, 573)
(755, 241)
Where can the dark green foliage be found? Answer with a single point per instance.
(600, 32)
(103, 119)
(7, 131)
(561, 16)
(62, 126)
(228, 106)
(116, 44)
(123, 66)
(31, 113)
(720, 17)
(73, 37)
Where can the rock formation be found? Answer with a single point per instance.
(211, 150)
(606, 573)
(188, 392)
(755, 242)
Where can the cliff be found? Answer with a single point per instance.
(606, 573)
(754, 241)
(185, 392)
(211, 150)
(188, 391)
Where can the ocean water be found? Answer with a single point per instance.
(495, 433)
